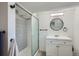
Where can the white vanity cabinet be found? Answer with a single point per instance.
(57, 47)
(65, 50)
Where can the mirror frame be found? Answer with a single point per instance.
(53, 20)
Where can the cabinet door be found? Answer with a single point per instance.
(51, 50)
(65, 50)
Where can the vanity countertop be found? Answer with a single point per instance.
(58, 37)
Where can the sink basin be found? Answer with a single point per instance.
(59, 37)
(56, 35)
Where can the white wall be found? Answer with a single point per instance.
(4, 23)
(11, 23)
(76, 31)
(44, 23)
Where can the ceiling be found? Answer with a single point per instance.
(45, 6)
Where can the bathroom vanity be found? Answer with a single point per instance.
(58, 46)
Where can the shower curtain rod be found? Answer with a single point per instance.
(20, 6)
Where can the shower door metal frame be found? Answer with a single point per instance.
(20, 6)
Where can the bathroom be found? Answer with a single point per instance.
(39, 27)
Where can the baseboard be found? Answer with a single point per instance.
(75, 54)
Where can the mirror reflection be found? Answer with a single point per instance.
(56, 24)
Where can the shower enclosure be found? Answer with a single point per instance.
(27, 32)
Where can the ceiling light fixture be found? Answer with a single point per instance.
(56, 14)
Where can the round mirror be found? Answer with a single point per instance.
(56, 24)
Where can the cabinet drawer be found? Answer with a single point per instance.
(59, 42)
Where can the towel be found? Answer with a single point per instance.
(13, 50)
(1, 43)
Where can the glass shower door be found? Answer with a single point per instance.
(35, 33)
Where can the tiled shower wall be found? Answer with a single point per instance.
(23, 35)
